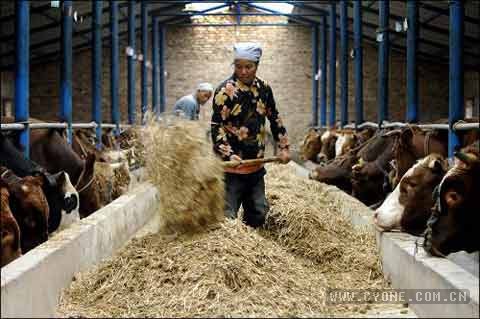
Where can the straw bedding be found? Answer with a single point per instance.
(231, 269)
(305, 219)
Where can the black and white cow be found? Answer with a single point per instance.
(63, 199)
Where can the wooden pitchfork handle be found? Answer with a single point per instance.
(250, 161)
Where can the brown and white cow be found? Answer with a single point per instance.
(453, 225)
(311, 145)
(10, 231)
(346, 140)
(408, 206)
(29, 207)
(327, 150)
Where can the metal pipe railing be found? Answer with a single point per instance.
(460, 126)
(367, 124)
(12, 127)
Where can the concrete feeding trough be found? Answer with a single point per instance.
(407, 267)
(31, 285)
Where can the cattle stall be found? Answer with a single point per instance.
(118, 62)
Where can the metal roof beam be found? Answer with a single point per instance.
(423, 25)
(77, 33)
(446, 12)
(33, 9)
(299, 19)
(224, 5)
(396, 34)
(87, 15)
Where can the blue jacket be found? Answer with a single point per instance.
(188, 105)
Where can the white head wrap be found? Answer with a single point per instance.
(247, 50)
(205, 86)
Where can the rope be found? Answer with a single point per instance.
(80, 179)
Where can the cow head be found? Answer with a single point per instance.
(337, 172)
(62, 198)
(415, 143)
(311, 145)
(408, 206)
(88, 188)
(327, 151)
(453, 225)
(30, 208)
(345, 142)
(10, 232)
(371, 180)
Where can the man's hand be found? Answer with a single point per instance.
(235, 158)
(284, 155)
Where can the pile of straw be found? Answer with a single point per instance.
(229, 271)
(305, 218)
(188, 175)
(233, 270)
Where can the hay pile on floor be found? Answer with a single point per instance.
(229, 271)
(234, 270)
(181, 163)
(304, 219)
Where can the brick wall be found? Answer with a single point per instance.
(197, 54)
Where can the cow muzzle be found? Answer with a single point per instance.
(70, 203)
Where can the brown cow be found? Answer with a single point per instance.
(327, 151)
(311, 145)
(83, 145)
(415, 143)
(370, 175)
(408, 206)
(29, 207)
(11, 249)
(337, 172)
(50, 150)
(453, 225)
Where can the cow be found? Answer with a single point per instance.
(371, 174)
(337, 172)
(415, 143)
(453, 224)
(50, 150)
(311, 145)
(408, 206)
(10, 240)
(372, 180)
(83, 144)
(327, 150)
(29, 207)
(63, 199)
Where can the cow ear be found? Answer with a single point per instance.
(60, 178)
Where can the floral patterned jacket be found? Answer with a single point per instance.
(238, 120)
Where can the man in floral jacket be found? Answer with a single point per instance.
(240, 106)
